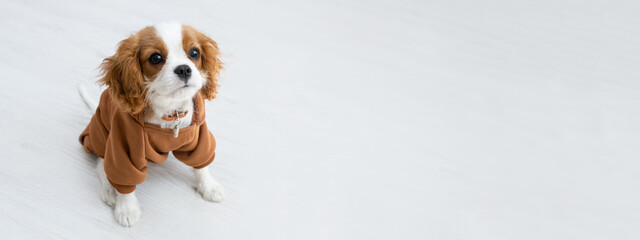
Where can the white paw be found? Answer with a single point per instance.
(208, 187)
(211, 193)
(127, 210)
(108, 195)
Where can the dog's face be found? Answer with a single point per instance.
(167, 61)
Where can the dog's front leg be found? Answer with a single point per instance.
(126, 207)
(208, 187)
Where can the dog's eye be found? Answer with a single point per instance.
(194, 53)
(156, 59)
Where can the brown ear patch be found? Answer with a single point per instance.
(125, 71)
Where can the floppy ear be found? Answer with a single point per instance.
(123, 74)
(211, 66)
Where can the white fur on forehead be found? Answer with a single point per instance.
(171, 34)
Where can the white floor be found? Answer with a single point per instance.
(345, 120)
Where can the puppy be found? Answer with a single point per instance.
(157, 82)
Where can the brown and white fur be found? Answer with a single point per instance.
(138, 83)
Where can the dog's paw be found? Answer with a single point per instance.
(208, 187)
(108, 195)
(127, 210)
(127, 217)
(210, 192)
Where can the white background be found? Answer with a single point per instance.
(345, 120)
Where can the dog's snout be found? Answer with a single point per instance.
(184, 72)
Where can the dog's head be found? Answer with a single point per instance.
(168, 61)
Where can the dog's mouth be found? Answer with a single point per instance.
(184, 89)
(186, 85)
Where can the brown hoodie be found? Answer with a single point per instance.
(126, 143)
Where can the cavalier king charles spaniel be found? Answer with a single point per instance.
(157, 82)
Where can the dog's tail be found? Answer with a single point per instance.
(91, 105)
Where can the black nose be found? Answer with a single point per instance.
(184, 72)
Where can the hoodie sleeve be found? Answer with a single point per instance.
(201, 153)
(124, 159)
